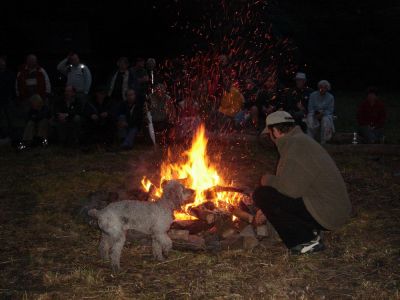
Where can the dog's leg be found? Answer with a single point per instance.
(166, 244)
(105, 245)
(157, 247)
(116, 252)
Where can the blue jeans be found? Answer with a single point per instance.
(129, 136)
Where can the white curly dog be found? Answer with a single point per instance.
(153, 218)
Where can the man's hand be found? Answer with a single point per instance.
(265, 179)
(260, 218)
(104, 114)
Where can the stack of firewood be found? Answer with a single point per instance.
(216, 229)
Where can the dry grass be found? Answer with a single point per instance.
(48, 253)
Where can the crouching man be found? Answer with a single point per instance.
(307, 194)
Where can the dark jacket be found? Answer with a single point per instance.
(266, 99)
(293, 97)
(72, 109)
(305, 170)
(250, 97)
(94, 108)
(135, 76)
(133, 114)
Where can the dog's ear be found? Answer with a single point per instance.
(173, 193)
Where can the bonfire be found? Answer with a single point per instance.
(200, 174)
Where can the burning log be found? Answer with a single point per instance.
(211, 192)
(207, 205)
(225, 226)
(203, 214)
(244, 216)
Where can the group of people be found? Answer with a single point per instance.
(32, 115)
(313, 111)
(114, 113)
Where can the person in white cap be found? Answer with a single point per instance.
(307, 194)
(296, 100)
(320, 113)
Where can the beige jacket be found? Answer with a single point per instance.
(305, 170)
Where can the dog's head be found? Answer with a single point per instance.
(177, 194)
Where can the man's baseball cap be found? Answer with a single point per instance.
(277, 117)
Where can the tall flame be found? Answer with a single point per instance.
(197, 173)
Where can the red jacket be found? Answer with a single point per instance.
(40, 79)
(371, 115)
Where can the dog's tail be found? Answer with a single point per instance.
(93, 213)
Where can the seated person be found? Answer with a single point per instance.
(67, 118)
(296, 100)
(231, 104)
(98, 123)
(249, 114)
(320, 112)
(130, 119)
(163, 110)
(371, 117)
(269, 99)
(37, 126)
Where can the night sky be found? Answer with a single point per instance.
(351, 43)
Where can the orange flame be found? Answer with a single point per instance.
(198, 173)
(146, 184)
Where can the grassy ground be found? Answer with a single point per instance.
(46, 252)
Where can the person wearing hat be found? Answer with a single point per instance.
(307, 194)
(321, 107)
(296, 100)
